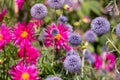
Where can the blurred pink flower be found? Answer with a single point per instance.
(20, 3)
(30, 54)
(57, 36)
(98, 61)
(22, 72)
(5, 35)
(23, 34)
(2, 14)
(86, 19)
(37, 23)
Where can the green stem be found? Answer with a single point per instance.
(77, 78)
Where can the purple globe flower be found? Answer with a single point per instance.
(72, 63)
(39, 11)
(74, 39)
(62, 19)
(53, 78)
(71, 52)
(100, 25)
(69, 27)
(56, 4)
(118, 30)
(90, 36)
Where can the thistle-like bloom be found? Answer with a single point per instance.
(72, 63)
(71, 52)
(62, 19)
(5, 35)
(118, 30)
(90, 36)
(30, 54)
(53, 78)
(98, 61)
(56, 4)
(39, 11)
(23, 34)
(56, 36)
(20, 3)
(74, 39)
(22, 72)
(100, 25)
(109, 60)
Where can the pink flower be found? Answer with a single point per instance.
(2, 14)
(56, 36)
(36, 22)
(109, 60)
(20, 3)
(22, 72)
(23, 34)
(5, 35)
(30, 54)
(98, 61)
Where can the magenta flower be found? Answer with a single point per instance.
(30, 54)
(22, 72)
(98, 61)
(20, 3)
(23, 34)
(57, 36)
(2, 14)
(5, 35)
(109, 60)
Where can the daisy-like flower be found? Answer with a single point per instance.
(30, 54)
(53, 78)
(23, 34)
(56, 36)
(20, 3)
(5, 35)
(22, 72)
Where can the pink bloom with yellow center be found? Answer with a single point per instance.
(22, 72)
(57, 36)
(5, 35)
(30, 54)
(23, 34)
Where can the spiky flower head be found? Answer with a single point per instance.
(62, 19)
(74, 39)
(118, 30)
(22, 72)
(100, 25)
(39, 11)
(72, 63)
(90, 36)
(71, 52)
(53, 78)
(56, 4)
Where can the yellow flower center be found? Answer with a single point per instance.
(1, 37)
(58, 37)
(24, 34)
(25, 76)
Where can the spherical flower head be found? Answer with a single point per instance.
(56, 36)
(30, 53)
(23, 34)
(5, 35)
(71, 52)
(118, 30)
(69, 27)
(100, 25)
(56, 4)
(90, 36)
(39, 11)
(98, 61)
(104, 48)
(74, 39)
(53, 78)
(72, 63)
(62, 19)
(20, 3)
(109, 60)
(22, 72)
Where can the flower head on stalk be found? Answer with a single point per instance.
(23, 72)
(56, 36)
(23, 34)
(5, 35)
